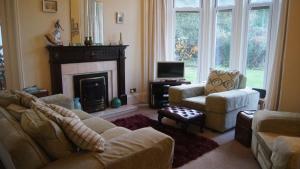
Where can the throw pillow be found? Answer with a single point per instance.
(84, 137)
(47, 134)
(220, 81)
(25, 98)
(63, 111)
(16, 110)
(81, 135)
(7, 98)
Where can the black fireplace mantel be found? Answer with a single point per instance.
(59, 55)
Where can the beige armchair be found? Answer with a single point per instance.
(276, 139)
(220, 108)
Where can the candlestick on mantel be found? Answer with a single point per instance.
(121, 39)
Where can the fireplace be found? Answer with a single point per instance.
(92, 89)
(69, 61)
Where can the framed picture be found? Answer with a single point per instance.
(50, 6)
(119, 17)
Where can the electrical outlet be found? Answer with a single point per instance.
(133, 90)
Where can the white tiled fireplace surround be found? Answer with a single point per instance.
(72, 69)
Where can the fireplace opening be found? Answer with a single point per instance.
(92, 90)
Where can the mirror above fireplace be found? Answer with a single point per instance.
(86, 21)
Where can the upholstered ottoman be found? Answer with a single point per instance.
(243, 131)
(183, 115)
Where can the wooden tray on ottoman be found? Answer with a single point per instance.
(183, 115)
(243, 131)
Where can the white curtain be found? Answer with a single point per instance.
(273, 84)
(157, 17)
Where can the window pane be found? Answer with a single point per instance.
(186, 42)
(225, 2)
(260, 1)
(2, 70)
(257, 46)
(223, 39)
(187, 3)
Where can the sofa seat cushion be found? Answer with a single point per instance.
(266, 141)
(114, 132)
(98, 125)
(81, 114)
(197, 103)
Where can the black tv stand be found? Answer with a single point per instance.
(158, 92)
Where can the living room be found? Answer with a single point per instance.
(129, 50)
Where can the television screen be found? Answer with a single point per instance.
(170, 70)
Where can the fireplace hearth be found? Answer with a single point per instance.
(92, 90)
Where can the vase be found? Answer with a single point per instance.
(77, 104)
(116, 103)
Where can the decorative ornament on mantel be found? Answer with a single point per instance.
(55, 37)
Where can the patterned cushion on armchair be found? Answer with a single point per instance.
(220, 81)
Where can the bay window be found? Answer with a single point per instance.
(232, 34)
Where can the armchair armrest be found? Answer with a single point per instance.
(59, 99)
(286, 152)
(286, 123)
(231, 100)
(143, 148)
(178, 93)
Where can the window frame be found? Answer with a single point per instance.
(250, 6)
(231, 8)
(187, 9)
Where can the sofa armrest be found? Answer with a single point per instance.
(143, 148)
(231, 100)
(178, 93)
(286, 152)
(286, 123)
(77, 161)
(59, 99)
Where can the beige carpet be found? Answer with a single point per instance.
(230, 154)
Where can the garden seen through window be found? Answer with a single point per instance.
(190, 27)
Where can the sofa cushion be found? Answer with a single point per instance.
(16, 110)
(98, 125)
(81, 114)
(114, 132)
(20, 148)
(220, 81)
(25, 98)
(47, 134)
(63, 111)
(197, 103)
(81, 135)
(7, 98)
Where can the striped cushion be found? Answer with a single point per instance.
(84, 137)
(25, 98)
(63, 111)
(48, 112)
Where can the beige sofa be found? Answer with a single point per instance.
(276, 139)
(144, 148)
(220, 108)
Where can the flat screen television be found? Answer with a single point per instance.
(170, 70)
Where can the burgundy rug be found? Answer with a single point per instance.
(187, 146)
